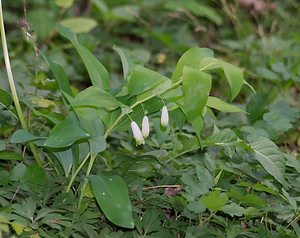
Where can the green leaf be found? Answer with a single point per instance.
(191, 58)
(64, 3)
(22, 136)
(34, 176)
(9, 156)
(197, 125)
(79, 24)
(143, 79)
(235, 78)
(215, 200)
(97, 72)
(65, 159)
(281, 117)
(272, 160)
(65, 134)
(222, 106)
(126, 59)
(5, 98)
(27, 209)
(60, 75)
(200, 186)
(112, 196)
(206, 180)
(125, 12)
(95, 97)
(198, 9)
(100, 6)
(97, 145)
(224, 137)
(234, 209)
(196, 87)
(42, 22)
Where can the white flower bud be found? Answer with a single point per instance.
(137, 134)
(164, 120)
(145, 127)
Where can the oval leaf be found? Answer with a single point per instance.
(97, 72)
(112, 196)
(79, 24)
(144, 79)
(95, 97)
(196, 88)
(235, 78)
(22, 136)
(191, 58)
(222, 106)
(65, 134)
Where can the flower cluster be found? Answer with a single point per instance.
(141, 135)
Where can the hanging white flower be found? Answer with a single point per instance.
(137, 134)
(164, 120)
(145, 127)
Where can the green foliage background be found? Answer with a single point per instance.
(226, 166)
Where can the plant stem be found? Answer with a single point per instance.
(89, 169)
(77, 171)
(13, 87)
(111, 128)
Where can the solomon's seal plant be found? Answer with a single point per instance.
(98, 113)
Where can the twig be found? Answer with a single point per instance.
(162, 186)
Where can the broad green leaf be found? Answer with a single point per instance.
(65, 158)
(210, 63)
(90, 120)
(197, 125)
(222, 106)
(191, 58)
(101, 5)
(215, 200)
(151, 221)
(22, 136)
(95, 97)
(97, 145)
(235, 78)
(143, 79)
(5, 98)
(234, 209)
(199, 185)
(60, 76)
(198, 9)
(18, 172)
(125, 12)
(7, 155)
(196, 87)
(97, 72)
(112, 196)
(281, 116)
(26, 208)
(196, 207)
(65, 134)
(42, 22)
(206, 180)
(64, 3)
(224, 137)
(18, 227)
(34, 176)
(79, 24)
(272, 160)
(126, 59)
